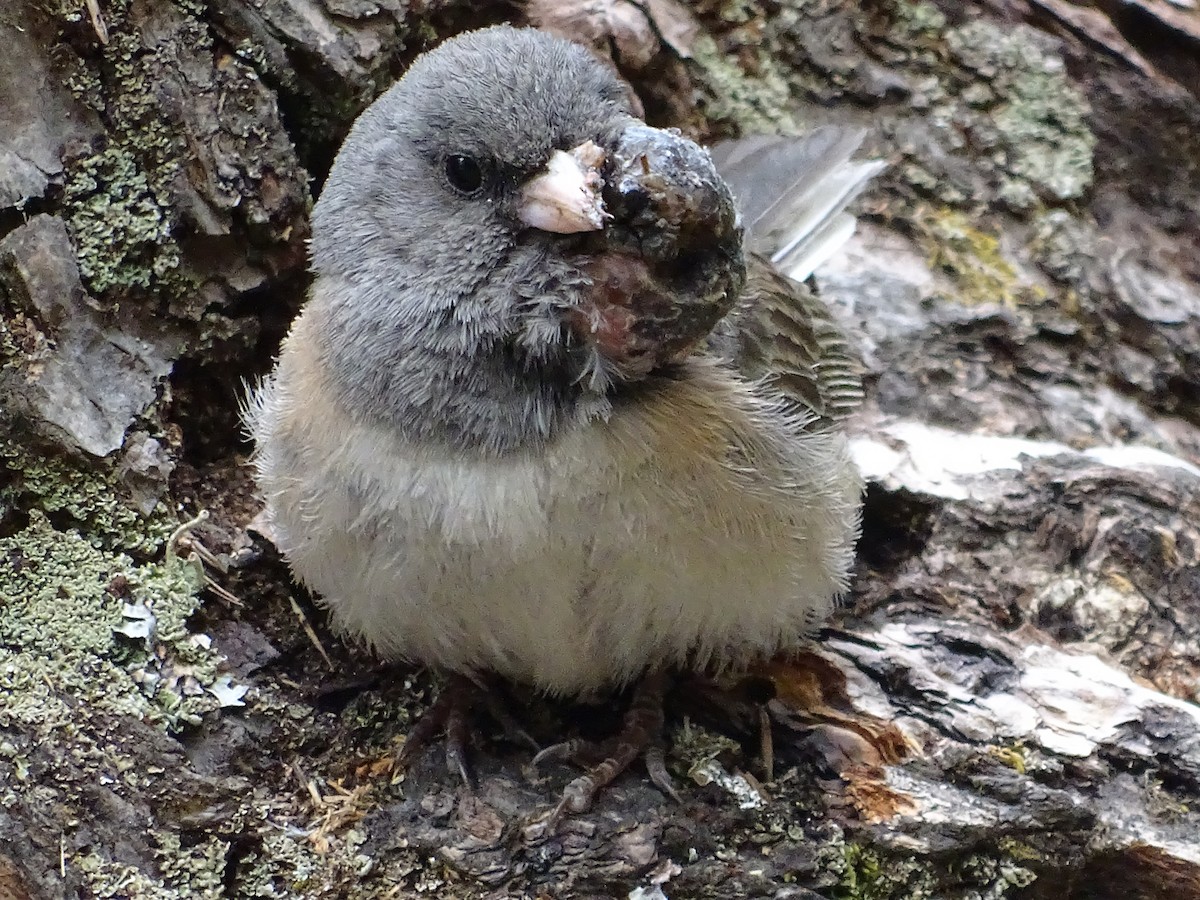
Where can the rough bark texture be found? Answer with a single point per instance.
(1006, 707)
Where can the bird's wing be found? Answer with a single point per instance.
(782, 334)
(792, 193)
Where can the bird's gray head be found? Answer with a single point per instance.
(431, 173)
(442, 305)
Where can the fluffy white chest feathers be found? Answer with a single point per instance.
(688, 529)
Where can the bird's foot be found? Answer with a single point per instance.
(450, 718)
(641, 734)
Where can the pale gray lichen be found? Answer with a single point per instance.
(62, 642)
(93, 501)
(1064, 247)
(913, 21)
(994, 878)
(195, 871)
(756, 103)
(111, 880)
(71, 665)
(120, 223)
(1040, 118)
(694, 747)
(118, 200)
(286, 866)
(861, 872)
(1001, 95)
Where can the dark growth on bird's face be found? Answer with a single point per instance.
(472, 296)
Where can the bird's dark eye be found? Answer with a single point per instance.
(464, 174)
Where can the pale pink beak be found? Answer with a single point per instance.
(565, 198)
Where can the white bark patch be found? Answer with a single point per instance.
(926, 459)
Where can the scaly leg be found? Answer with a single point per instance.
(641, 734)
(448, 715)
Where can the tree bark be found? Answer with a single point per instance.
(1005, 707)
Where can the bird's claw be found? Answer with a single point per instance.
(656, 768)
(555, 752)
(640, 735)
(450, 717)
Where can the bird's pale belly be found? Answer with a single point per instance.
(571, 570)
(677, 532)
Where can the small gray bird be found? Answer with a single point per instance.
(475, 450)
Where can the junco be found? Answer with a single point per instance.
(543, 416)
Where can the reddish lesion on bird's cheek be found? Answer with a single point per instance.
(629, 316)
(605, 317)
(607, 328)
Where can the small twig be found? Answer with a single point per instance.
(97, 17)
(306, 784)
(308, 629)
(178, 533)
(222, 592)
(766, 740)
(210, 559)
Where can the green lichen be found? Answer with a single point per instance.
(256, 56)
(730, 95)
(912, 45)
(693, 747)
(372, 715)
(860, 872)
(23, 342)
(1018, 851)
(196, 870)
(66, 10)
(751, 75)
(291, 868)
(110, 880)
(83, 82)
(11, 354)
(320, 113)
(994, 878)
(1014, 756)
(865, 875)
(971, 257)
(914, 21)
(121, 225)
(1037, 120)
(118, 200)
(69, 608)
(285, 863)
(1064, 247)
(999, 95)
(92, 500)
(1165, 806)
(88, 639)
